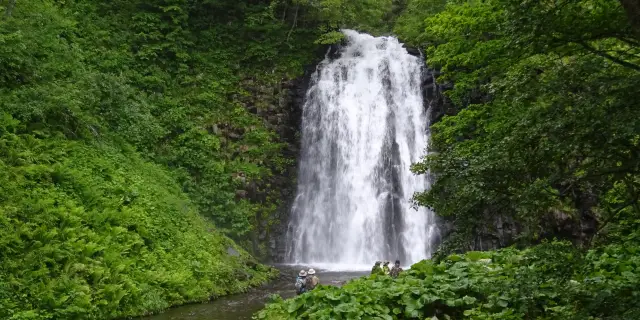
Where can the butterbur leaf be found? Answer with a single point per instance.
(293, 306)
(468, 299)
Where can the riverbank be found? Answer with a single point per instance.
(243, 306)
(553, 280)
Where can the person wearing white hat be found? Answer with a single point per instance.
(312, 281)
(301, 282)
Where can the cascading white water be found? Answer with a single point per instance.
(363, 125)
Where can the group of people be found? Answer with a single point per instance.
(384, 269)
(306, 281)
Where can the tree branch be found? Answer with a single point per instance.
(284, 12)
(295, 22)
(609, 57)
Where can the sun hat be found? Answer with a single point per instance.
(311, 272)
(302, 273)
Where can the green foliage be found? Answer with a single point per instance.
(549, 281)
(135, 139)
(125, 142)
(547, 130)
(161, 77)
(92, 231)
(329, 16)
(411, 23)
(548, 125)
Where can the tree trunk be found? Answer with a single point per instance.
(632, 7)
(295, 22)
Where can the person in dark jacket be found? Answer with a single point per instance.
(395, 271)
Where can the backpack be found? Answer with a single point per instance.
(385, 270)
(300, 285)
(395, 271)
(311, 282)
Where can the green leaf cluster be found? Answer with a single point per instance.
(329, 16)
(548, 281)
(546, 128)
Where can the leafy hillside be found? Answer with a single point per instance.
(93, 231)
(115, 194)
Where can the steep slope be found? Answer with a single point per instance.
(120, 161)
(93, 231)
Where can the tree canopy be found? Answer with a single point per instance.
(547, 126)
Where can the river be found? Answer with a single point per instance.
(243, 306)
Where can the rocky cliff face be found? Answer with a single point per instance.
(279, 104)
(286, 123)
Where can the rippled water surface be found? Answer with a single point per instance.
(243, 306)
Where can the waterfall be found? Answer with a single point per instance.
(363, 125)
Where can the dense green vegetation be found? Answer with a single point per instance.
(549, 281)
(134, 146)
(117, 186)
(545, 139)
(133, 157)
(547, 129)
(90, 230)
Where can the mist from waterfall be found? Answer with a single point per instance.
(364, 123)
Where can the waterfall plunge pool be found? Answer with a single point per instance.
(243, 306)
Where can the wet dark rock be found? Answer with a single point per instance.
(279, 105)
(232, 252)
(413, 51)
(333, 51)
